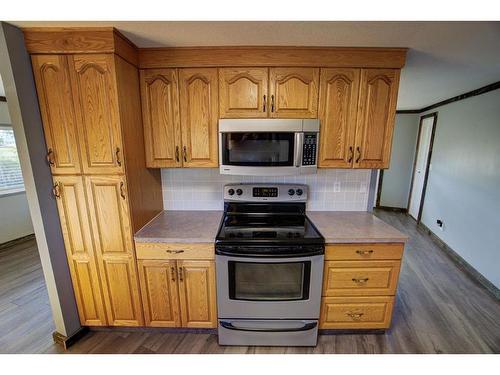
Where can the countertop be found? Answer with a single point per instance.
(346, 227)
(181, 227)
(202, 227)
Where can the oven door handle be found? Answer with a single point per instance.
(305, 327)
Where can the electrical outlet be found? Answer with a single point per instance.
(336, 187)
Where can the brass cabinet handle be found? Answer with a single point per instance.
(174, 251)
(351, 154)
(360, 280)
(272, 103)
(364, 252)
(56, 190)
(50, 158)
(118, 160)
(184, 153)
(177, 154)
(122, 191)
(181, 274)
(359, 154)
(172, 273)
(354, 316)
(264, 105)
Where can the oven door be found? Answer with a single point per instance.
(269, 288)
(260, 152)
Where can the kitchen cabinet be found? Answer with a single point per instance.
(359, 285)
(95, 97)
(112, 230)
(269, 92)
(178, 293)
(160, 103)
(57, 109)
(293, 92)
(199, 97)
(357, 109)
(243, 92)
(74, 215)
(180, 113)
(375, 124)
(338, 109)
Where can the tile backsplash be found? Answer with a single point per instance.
(329, 189)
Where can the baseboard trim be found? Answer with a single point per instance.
(393, 209)
(372, 331)
(153, 329)
(67, 341)
(17, 241)
(462, 263)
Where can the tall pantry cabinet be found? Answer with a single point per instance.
(91, 112)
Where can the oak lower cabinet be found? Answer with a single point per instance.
(359, 285)
(178, 292)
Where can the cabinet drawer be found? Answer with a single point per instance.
(364, 278)
(364, 251)
(356, 312)
(157, 250)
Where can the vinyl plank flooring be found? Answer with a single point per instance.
(439, 309)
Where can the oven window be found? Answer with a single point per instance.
(258, 149)
(286, 281)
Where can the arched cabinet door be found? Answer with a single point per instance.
(293, 92)
(58, 114)
(338, 107)
(243, 92)
(160, 112)
(377, 109)
(199, 95)
(95, 95)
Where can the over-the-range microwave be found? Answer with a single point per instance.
(268, 147)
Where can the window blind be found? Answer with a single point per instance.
(10, 169)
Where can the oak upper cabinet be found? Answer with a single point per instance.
(199, 110)
(111, 227)
(338, 108)
(243, 92)
(160, 111)
(197, 293)
(293, 92)
(375, 123)
(56, 105)
(160, 296)
(95, 96)
(74, 217)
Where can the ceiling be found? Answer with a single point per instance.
(445, 58)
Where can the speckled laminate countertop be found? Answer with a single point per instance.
(202, 227)
(181, 226)
(346, 227)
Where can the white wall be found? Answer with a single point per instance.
(463, 188)
(15, 219)
(329, 189)
(397, 179)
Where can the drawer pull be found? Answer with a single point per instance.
(361, 280)
(364, 252)
(355, 316)
(174, 251)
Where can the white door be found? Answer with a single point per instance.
(424, 144)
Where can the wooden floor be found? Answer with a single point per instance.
(439, 309)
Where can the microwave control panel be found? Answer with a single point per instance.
(309, 149)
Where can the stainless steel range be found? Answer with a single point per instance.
(269, 264)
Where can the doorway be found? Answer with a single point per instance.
(421, 164)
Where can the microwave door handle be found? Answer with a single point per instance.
(299, 145)
(305, 327)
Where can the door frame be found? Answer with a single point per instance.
(429, 156)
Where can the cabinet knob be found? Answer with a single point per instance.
(184, 153)
(359, 154)
(177, 154)
(351, 154)
(181, 274)
(118, 160)
(172, 273)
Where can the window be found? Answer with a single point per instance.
(11, 179)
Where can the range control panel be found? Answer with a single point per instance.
(309, 149)
(265, 192)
